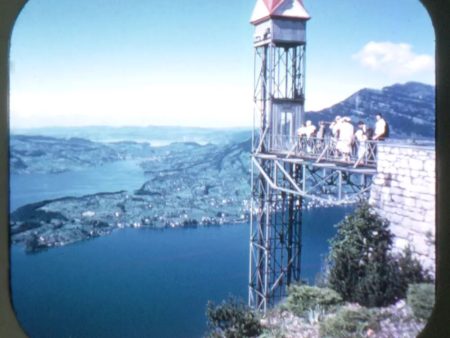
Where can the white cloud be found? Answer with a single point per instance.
(396, 60)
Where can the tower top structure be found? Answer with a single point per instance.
(287, 9)
(280, 22)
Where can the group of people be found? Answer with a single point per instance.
(343, 133)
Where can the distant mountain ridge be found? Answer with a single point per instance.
(409, 108)
(155, 135)
(186, 183)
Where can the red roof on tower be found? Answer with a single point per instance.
(271, 4)
(292, 9)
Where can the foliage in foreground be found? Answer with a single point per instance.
(410, 271)
(421, 298)
(362, 267)
(349, 322)
(232, 319)
(303, 298)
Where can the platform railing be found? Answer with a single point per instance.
(326, 149)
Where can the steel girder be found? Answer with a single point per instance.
(275, 239)
(322, 182)
(279, 186)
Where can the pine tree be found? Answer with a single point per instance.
(362, 268)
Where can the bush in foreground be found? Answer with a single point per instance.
(421, 298)
(362, 267)
(410, 271)
(302, 298)
(232, 319)
(349, 322)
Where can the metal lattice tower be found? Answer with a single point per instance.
(275, 243)
(285, 169)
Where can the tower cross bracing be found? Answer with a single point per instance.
(288, 171)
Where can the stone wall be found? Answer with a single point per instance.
(403, 191)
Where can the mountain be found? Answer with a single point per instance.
(45, 154)
(56, 150)
(408, 108)
(187, 183)
(155, 135)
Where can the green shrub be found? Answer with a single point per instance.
(421, 297)
(349, 323)
(302, 298)
(232, 319)
(361, 267)
(410, 271)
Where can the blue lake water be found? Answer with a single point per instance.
(123, 175)
(137, 282)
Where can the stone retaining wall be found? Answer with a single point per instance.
(403, 191)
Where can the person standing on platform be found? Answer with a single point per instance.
(361, 136)
(346, 136)
(310, 129)
(306, 133)
(320, 135)
(335, 126)
(381, 128)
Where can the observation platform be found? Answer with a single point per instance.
(318, 169)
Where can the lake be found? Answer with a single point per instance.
(137, 282)
(115, 176)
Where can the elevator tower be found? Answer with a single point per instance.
(279, 97)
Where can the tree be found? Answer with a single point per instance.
(362, 268)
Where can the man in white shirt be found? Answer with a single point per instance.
(335, 126)
(380, 128)
(308, 131)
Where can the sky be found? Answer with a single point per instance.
(190, 62)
